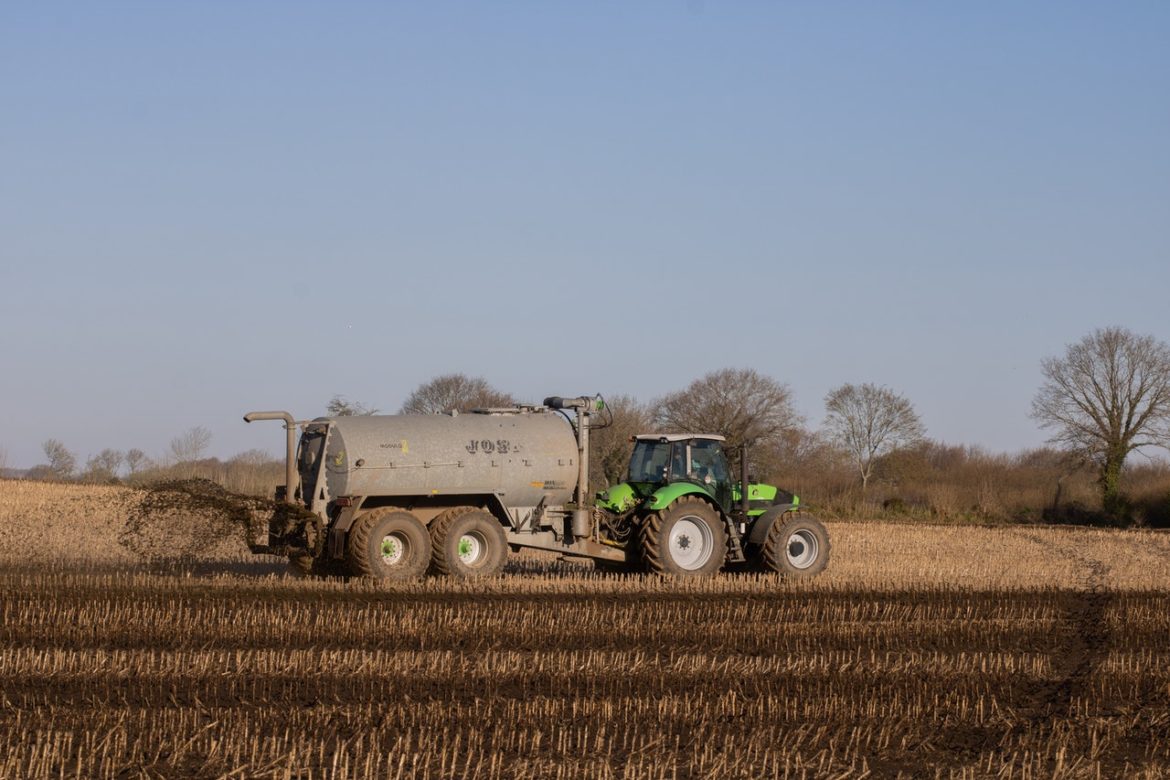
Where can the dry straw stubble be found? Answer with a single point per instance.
(974, 652)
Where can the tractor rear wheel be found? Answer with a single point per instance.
(797, 545)
(388, 544)
(467, 543)
(686, 539)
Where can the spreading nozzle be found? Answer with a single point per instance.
(594, 404)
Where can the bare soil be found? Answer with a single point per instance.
(140, 639)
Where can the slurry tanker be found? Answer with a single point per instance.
(393, 496)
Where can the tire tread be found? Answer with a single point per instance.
(774, 553)
(357, 559)
(438, 529)
(652, 541)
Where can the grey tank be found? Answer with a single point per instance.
(522, 456)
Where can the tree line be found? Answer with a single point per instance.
(252, 471)
(1105, 398)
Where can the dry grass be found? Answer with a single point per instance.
(939, 483)
(956, 652)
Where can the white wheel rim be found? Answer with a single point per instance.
(393, 548)
(690, 543)
(471, 548)
(802, 549)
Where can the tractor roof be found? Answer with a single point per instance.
(678, 436)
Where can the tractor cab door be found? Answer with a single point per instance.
(708, 466)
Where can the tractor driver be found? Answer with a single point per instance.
(706, 463)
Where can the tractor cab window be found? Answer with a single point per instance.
(649, 461)
(708, 461)
(678, 461)
(709, 467)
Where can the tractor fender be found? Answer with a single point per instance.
(763, 523)
(667, 495)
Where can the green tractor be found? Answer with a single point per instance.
(680, 512)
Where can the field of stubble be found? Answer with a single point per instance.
(923, 651)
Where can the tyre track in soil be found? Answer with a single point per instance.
(1075, 658)
(1086, 646)
(1133, 747)
(1078, 657)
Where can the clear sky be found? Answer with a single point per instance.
(208, 208)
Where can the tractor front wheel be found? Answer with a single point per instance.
(796, 547)
(686, 539)
(388, 544)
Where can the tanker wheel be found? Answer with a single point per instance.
(796, 547)
(686, 539)
(388, 544)
(467, 543)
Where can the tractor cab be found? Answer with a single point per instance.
(665, 459)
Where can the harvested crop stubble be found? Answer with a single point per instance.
(957, 652)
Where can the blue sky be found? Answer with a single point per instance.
(208, 208)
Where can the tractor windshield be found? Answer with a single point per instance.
(698, 460)
(708, 463)
(650, 461)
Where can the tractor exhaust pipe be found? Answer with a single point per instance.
(744, 501)
(291, 482)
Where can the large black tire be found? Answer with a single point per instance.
(685, 539)
(438, 531)
(467, 543)
(388, 544)
(797, 546)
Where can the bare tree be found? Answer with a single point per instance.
(3, 461)
(870, 421)
(252, 458)
(338, 406)
(191, 445)
(741, 404)
(1108, 396)
(104, 466)
(454, 392)
(135, 460)
(609, 439)
(62, 462)
(253, 472)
